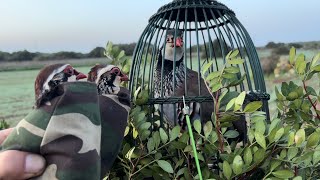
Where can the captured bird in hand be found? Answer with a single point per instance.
(201, 111)
(107, 78)
(50, 77)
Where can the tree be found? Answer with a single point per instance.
(96, 53)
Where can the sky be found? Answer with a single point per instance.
(81, 25)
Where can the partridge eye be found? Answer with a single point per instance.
(116, 71)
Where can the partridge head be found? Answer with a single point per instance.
(50, 77)
(174, 45)
(107, 77)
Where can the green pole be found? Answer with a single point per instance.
(193, 144)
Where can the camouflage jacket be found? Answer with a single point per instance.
(79, 134)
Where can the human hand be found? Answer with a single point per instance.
(17, 164)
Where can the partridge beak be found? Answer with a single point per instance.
(79, 75)
(124, 77)
(179, 42)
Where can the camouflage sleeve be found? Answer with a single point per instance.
(71, 132)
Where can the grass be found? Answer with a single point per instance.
(31, 65)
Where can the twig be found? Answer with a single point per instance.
(310, 100)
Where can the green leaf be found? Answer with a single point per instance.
(200, 157)
(150, 145)
(315, 59)
(120, 55)
(231, 134)
(316, 156)
(145, 134)
(285, 89)
(313, 140)
(292, 96)
(214, 137)
(274, 123)
(283, 174)
(291, 139)
(292, 55)
(240, 99)
(274, 164)
(126, 68)
(311, 91)
(247, 156)
(316, 68)
(197, 126)
(297, 178)
(181, 171)
(230, 104)
(174, 133)
(109, 46)
(283, 153)
(279, 134)
(188, 148)
(179, 163)
(236, 61)
(259, 155)
(232, 69)
(206, 67)
(129, 153)
(216, 87)
(144, 126)
(207, 129)
(213, 75)
(237, 165)
(292, 152)
(280, 97)
(227, 171)
(163, 136)
(260, 127)
(156, 139)
(301, 64)
(251, 135)
(165, 165)
(253, 106)
(227, 75)
(126, 131)
(134, 133)
(300, 137)
(184, 137)
(234, 53)
(260, 139)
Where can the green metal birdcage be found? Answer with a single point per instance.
(210, 30)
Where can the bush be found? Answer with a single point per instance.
(268, 64)
(296, 45)
(284, 148)
(282, 50)
(273, 45)
(3, 125)
(22, 56)
(128, 48)
(96, 52)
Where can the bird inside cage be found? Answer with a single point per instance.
(178, 80)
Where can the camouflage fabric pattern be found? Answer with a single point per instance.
(79, 134)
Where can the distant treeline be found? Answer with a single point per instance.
(279, 48)
(38, 56)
